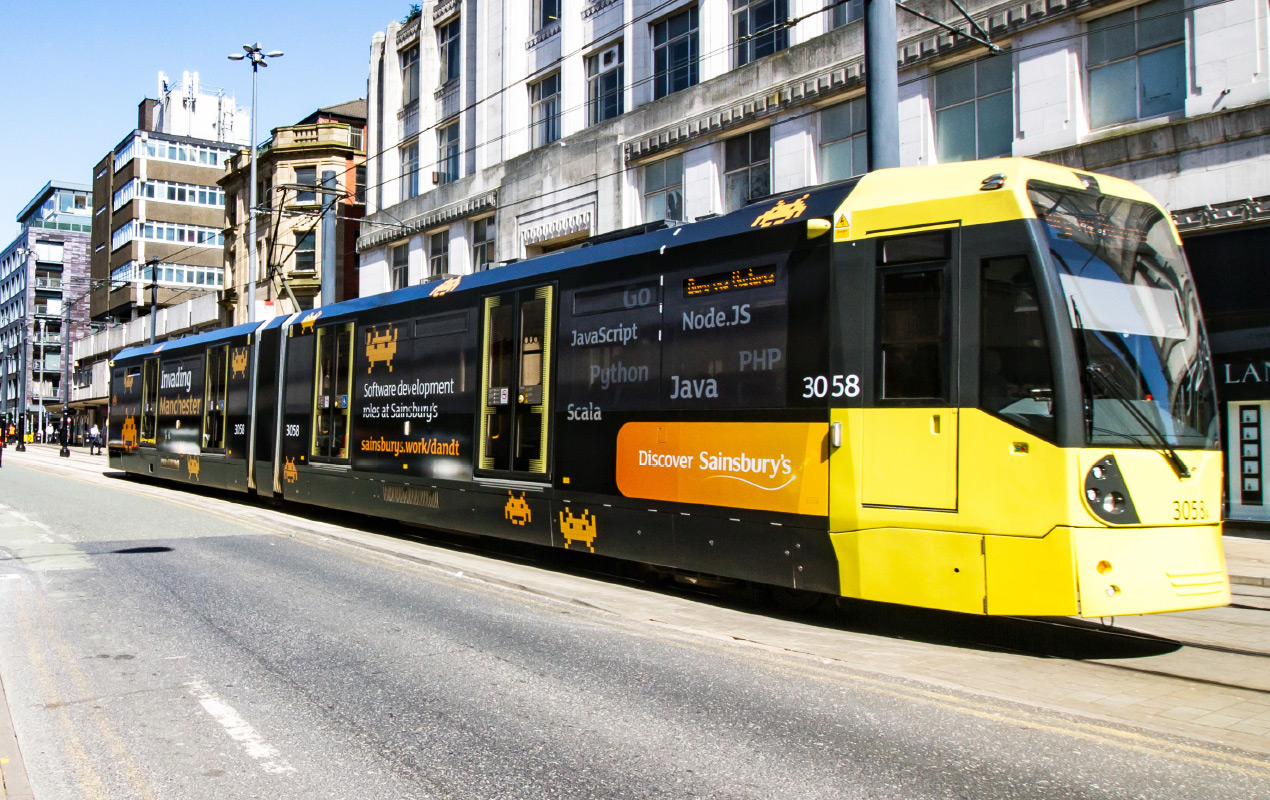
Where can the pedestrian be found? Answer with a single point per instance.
(94, 440)
(48, 433)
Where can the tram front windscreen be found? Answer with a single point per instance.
(1146, 376)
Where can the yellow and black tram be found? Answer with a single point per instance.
(982, 387)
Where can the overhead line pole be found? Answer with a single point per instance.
(882, 84)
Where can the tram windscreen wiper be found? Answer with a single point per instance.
(1097, 372)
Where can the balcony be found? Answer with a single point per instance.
(48, 283)
(317, 133)
(447, 98)
(408, 121)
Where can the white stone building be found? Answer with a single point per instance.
(499, 130)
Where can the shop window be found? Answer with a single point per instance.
(675, 53)
(663, 189)
(843, 141)
(974, 110)
(747, 161)
(604, 83)
(759, 28)
(1137, 63)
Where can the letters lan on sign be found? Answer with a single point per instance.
(781, 212)
(380, 347)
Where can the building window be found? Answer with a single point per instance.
(544, 107)
(359, 195)
(1137, 63)
(747, 162)
(675, 53)
(844, 11)
(305, 251)
(410, 75)
(546, 12)
(439, 253)
(843, 143)
(483, 233)
(356, 137)
(306, 176)
(664, 189)
(448, 153)
(400, 266)
(604, 83)
(974, 110)
(409, 171)
(448, 47)
(759, 28)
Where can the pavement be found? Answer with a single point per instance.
(1200, 676)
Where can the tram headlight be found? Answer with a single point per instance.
(1113, 502)
(1107, 493)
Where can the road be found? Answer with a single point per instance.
(157, 643)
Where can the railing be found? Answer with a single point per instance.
(48, 283)
(408, 121)
(202, 310)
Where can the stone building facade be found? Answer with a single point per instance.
(306, 231)
(499, 131)
(43, 302)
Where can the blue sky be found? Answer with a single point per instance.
(75, 70)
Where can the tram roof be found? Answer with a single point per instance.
(883, 195)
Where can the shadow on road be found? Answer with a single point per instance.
(1040, 637)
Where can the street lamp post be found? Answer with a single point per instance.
(258, 59)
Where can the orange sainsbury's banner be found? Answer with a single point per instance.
(779, 466)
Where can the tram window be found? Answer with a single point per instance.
(531, 318)
(149, 401)
(611, 347)
(331, 390)
(1015, 369)
(726, 337)
(912, 361)
(500, 349)
(532, 331)
(214, 406)
(934, 246)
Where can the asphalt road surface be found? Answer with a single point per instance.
(151, 647)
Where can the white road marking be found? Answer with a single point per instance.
(239, 729)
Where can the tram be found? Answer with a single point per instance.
(982, 387)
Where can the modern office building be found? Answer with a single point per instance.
(311, 180)
(159, 212)
(43, 282)
(499, 131)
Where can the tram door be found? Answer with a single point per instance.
(910, 433)
(515, 414)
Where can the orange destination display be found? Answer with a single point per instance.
(778, 467)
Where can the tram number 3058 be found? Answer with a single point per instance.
(831, 386)
(1189, 509)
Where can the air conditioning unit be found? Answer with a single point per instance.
(436, 178)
